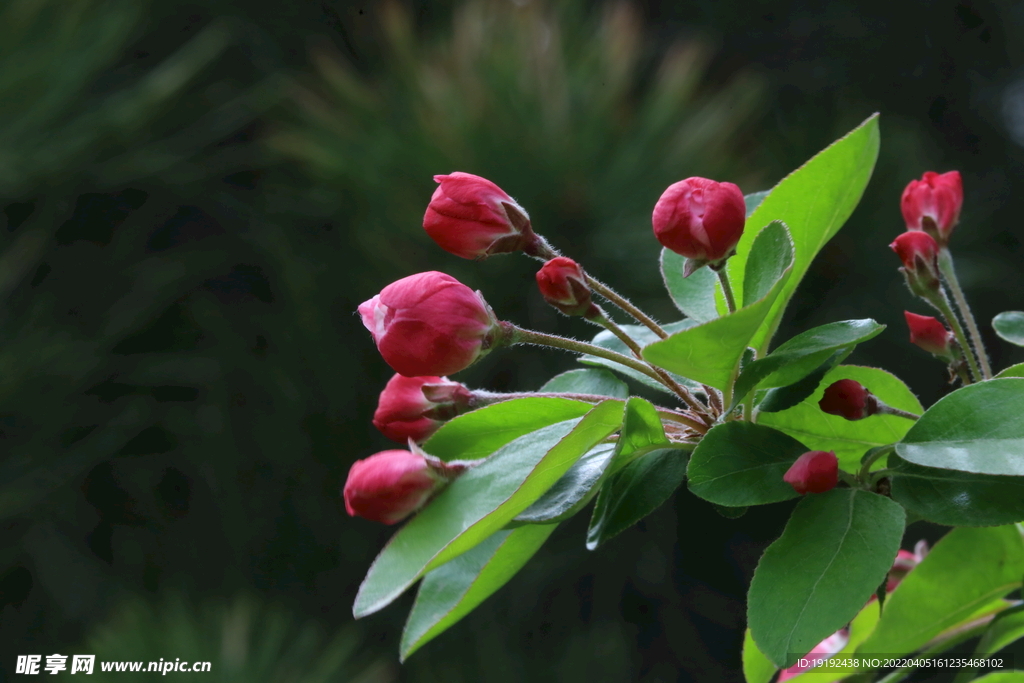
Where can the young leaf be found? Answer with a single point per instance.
(1005, 629)
(643, 337)
(573, 491)
(710, 353)
(823, 432)
(783, 398)
(739, 463)
(1002, 677)
(979, 428)
(479, 433)
(956, 498)
(814, 201)
(635, 492)
(944, 589)
(756, 667)
(589, 381)
(453, 590)
(770, 257)
(1009, 325)
(1012, 371)
(641, 428)
(754, 199)
(836, 549)
(480, 502)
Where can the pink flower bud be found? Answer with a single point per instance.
(471, 217)
(827, 648)
(700, 219)
(904, 562)
(933, 203)
(814, 472)
(563, 285)
(430, 324)
(849, 399)
(930, 334)
(406, 411)
(919, 253)
(389, 486)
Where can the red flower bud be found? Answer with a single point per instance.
(933, 203)
(848, 398)
(904, 562)
(700, 219)
(564, 286)
(406, 411)
(430, 324)
(471, 217)
(930, 334)
(814, 472)
(919, 253)
(389, 486)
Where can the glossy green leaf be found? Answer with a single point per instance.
(978, 428)
(641, 428)
(635, 492)
(642, 336)
(589, 381)
(480, 502)
(1002, 677)
(822, 432)
(479, 433)
(945, 588)
(770, 257)
(694, 296)
(1010, 326)
(803, 354)
(1012, 371)
(834, 552)
(783, 398)
(739, 463)
(710, 353)
(957, 498)
(756, 667)
(453, 590)
(572, 491)
(814, 201)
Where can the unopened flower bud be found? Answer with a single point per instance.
(919, 253)
(849, 399)
(931, 335)
(563, 285)
(389, 486)
(430, 324)
(814, 472)
(471, 217)
(933, 204)
(904, 562)
(414, 407)
(700, 219)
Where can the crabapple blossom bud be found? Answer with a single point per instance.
(919, 253)
(389, 486)
(563, 285)
(430, 324)
(931, 335)
(414, 407)
(904, 562)
(700, 219)
(849, 399)
(814, 472)
(933, 203)
(827, 648)
(471, 217)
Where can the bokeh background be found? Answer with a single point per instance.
(196, 196)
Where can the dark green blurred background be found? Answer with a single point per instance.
(198, 195)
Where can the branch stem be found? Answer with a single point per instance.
(627, 306)
(730, 300)
(949, 275)
(941, 302)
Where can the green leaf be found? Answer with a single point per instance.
(966, 570)
(480, 502)
(1012, 371)
(589, 381)
(573, 491)
(860, 628)
(1010, 326)
(479, 433)
(836, 549)
(756, 667)
(978, 428)
(770, 257)
(729, 512)
(803, 354)
(957, 498)
(641, 428)
(814, 201)
(710, 353)
(1006, 628)
(823, 432)
(739, 463)
(643, 337)
(1002, 677)
(783, 398)
(635, 492)
(453, 590)
(754, 199)
(694, 296)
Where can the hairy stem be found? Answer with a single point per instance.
(730, 300)
(625, 304)
(949, 275)
(941, 302)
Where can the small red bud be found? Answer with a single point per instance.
(389, 486)
(814, 472)
(700, 219)
(414, 407)
(849, 399)
(930, 334)
(919, 253)
(933, 204)
(563, 285)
